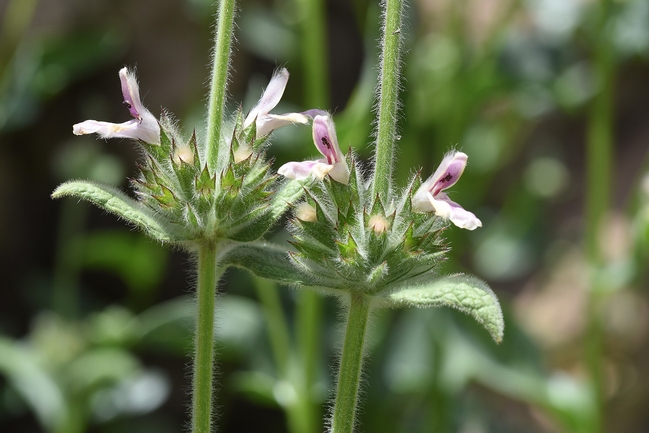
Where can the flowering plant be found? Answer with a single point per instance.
(358, 237)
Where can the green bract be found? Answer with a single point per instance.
(182, 200)
(351, 241)
(359, 242)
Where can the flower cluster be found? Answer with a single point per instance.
(352, 240)
(343, 234)
(191, 200)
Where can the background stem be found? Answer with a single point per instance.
(388, 103)
(299, 413)
(599, 161)
(308, 320)
(314, 53)
(219, 84)
(309, 335)
(351, 363)
(208, 274)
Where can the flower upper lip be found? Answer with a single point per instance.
(143, 127)
(430, 196)
(260, 114)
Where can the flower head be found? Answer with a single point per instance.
(430, 196)
(260, 113)
(143, 127)
(333, 163)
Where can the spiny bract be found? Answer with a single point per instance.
(353, 241)
(208, 202)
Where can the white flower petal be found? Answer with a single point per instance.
(268, 123)
(144, 127)
(340, 172)
(270, 98)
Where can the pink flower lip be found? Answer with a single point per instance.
(431, 198)
(333, 163)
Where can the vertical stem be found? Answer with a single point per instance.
(599, 161)
(309, 303)
(309, 324)
(219, 83)
(388, 104)
(437, 418)
(299, 412)
(600, 137)
(314, 53)
(351, 363)
(278, 333)
(208, 274)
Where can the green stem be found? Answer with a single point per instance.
(299, 412)
(309, 304)
(599, 160)
(600, 138)
(309, 330)
(208, 275)
(388, 104)
(278, 332)
(314, 53)
(351, 363)
(218, 87)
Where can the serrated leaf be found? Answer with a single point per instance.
(116, 202)
(267, 261)
(463, 292)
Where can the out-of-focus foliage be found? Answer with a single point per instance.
(94, 336)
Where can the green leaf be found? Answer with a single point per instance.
(463, 292)
(22, 367)
(267, 261)
(118, 203)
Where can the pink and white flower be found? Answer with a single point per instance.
(260, 113)
(144, 125)
(431, 198)
(333, 163)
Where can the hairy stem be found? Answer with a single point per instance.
(208, 275)
(219, 83)
(388, 104)
(351, 363)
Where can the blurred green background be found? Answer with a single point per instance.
(549, 98)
